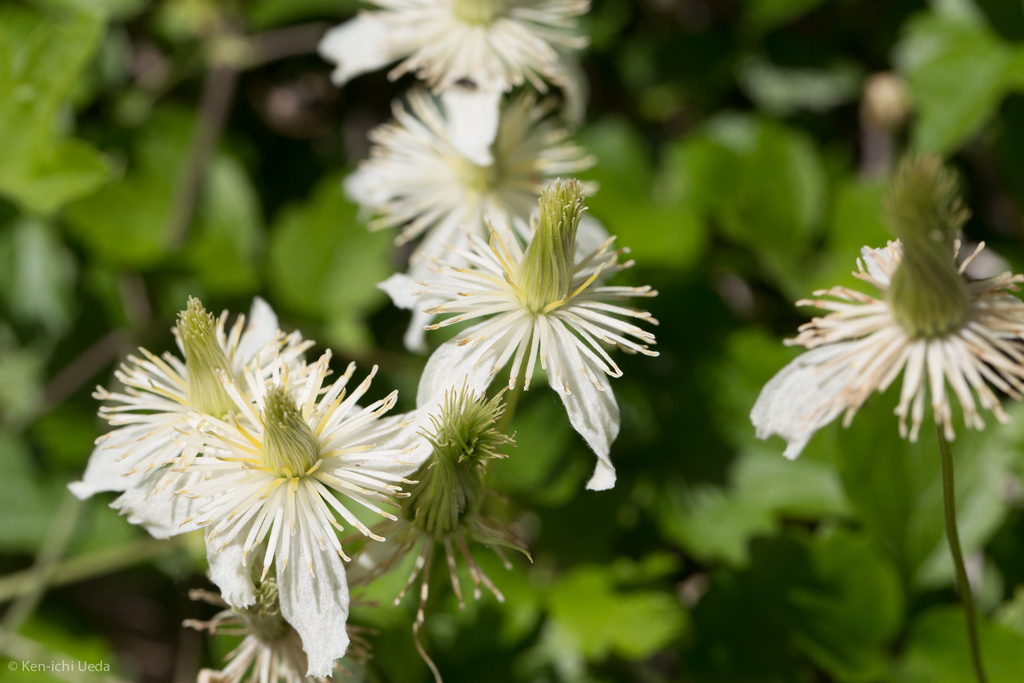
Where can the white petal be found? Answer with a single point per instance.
(799, 399)
(472, 121)
(163, 514)
(260, 328)
(453, 365)
(357, 46)
(870, 257)
(401, 288)
(316, 606)
(106, 470)
(592, 412)
(590, 235)
(227, 571)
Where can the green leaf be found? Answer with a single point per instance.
(26, 498)
(852, 612)
(658, 227)
(958, 72)
(325, 264)
(594, 618)
(829, 598)
(41, 274)
(265, 14)
(21, 379)
(895, 487)
(780, 91)
(40, 60)
(227, 237)
(762, 183)
(937, 651)
(762, 16)
(125, 224)
(716, 524)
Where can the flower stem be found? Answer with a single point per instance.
(949, 503)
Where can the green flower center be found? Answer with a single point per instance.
(204, 356)
(477, 12)
(545, 275)
(290, 447)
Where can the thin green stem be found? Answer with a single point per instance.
(949, 503)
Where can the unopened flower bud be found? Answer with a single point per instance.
(204, 356)
(545, 274)
(290, 447)
(928, 295)
(451, 480)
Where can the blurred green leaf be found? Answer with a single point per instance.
(716, 524)
(1011, 612)
(66, 436)
(40, 59)
(325, 264)
(21, 379)
(596, 619)
(781, 91)
(659, 229)
(125, 224)
(958, 72)
(264, 14)
(936, 650)
(39, 275)
(108, 9)
(762, 16)
(227, 237)
(830, 598)
(26, 498)
(896, 488)
(762, 183)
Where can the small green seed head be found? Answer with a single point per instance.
(928, 296)
(451, 480)
(477, 12)
(545, 274)
(290, 447)
(204, 357)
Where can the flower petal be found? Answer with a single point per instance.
(472, 121)
(315, 603)
(228, 571)
(163, 514)
(453, 365)
(800, 399)
(357, 46)
(261, 326)
(593, 412)
(109, 469)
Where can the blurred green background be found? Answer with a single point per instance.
(153, 150)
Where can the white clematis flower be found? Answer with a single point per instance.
(151, 413)
(543, 305)
(930, 324)
(859, 348)
(495, 44)
(418, 180)
(266, 490)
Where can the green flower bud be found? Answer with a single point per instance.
(477, 12)
(290, 447)
(204, 357)
(928, 296)
(451, 480)
(545, 274)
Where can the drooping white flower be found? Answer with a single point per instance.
(271, 650)
(860, 348)
(930, 324)
(151, 413)
(266, 492)
(545, 304)
(495, 44)
(417, 180)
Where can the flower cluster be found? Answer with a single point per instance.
(284, 467)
